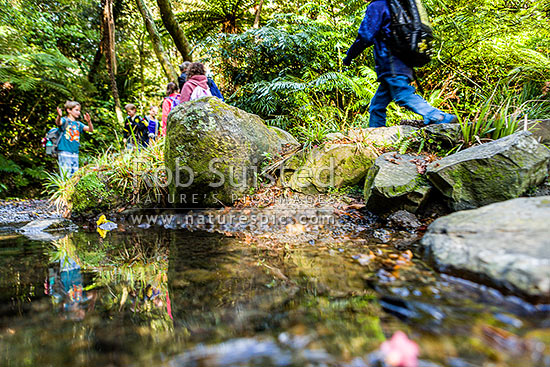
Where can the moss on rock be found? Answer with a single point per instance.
(215, 151)
(91, 195)
(394, 183)
(497, 171)
(332, 166)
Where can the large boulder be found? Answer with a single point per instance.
(395, 182)
(214, 152)
(496, 171)
(330, 166)
(505, 243)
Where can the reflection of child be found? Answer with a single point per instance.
(66, 287)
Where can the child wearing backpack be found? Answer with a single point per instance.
(136, 132)
(394, 73)
(196, 85)
(171, 100)
(69, 141)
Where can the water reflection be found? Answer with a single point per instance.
(64, 283)
(182, 298)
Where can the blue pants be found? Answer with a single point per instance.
(68, 163)
(397, 88)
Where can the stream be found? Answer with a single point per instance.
(213, 295)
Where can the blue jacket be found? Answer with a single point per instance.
(214, 89)
(374, 28)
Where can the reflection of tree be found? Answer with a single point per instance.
(22, 271)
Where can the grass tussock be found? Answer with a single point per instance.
(130, 175)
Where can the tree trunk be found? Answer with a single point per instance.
(172, 26)
(108, 48)
(141, 49)
(157, 42)
(94, 68)
(257, 15)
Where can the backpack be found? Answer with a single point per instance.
(52, 138)
(175, 101)
(410, 32)
(200, 92)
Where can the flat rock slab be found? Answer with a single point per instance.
(506, 244)
(497, 171)
(44, 224)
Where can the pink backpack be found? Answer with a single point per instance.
(200, 92)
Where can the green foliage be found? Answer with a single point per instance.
(90, 193)
(289, 72)
(49, 53)
(490, 65)
(207, 17)
(502, 114)
(484, 43)
(109, 178)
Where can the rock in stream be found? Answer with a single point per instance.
(506, 244)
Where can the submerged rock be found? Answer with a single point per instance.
(404, 219)
(41, 225)
(42, 229)
(496, 171)
(505, 243)
(331, 166)
(214, 152)
(394, 182)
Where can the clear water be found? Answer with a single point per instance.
(161, 297)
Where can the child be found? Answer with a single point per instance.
(136, 132)
(153, 122)
(171, 100)
(69, 143)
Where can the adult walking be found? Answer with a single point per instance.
(196, 85)
(393, 73)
